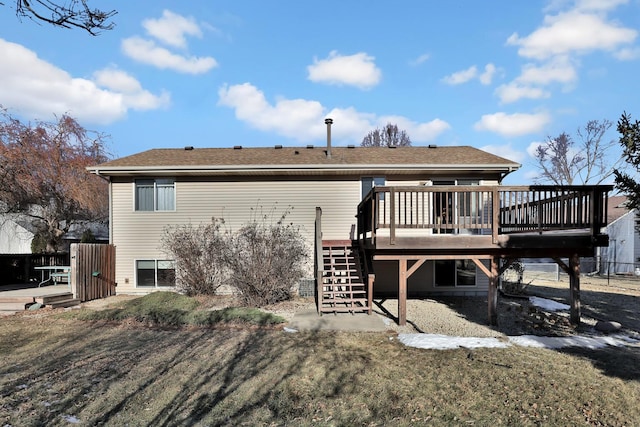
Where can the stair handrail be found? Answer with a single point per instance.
(318, 262)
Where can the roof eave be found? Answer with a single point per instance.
(289, 169)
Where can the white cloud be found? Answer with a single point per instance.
(303, 120)
(511, 125)
(460, 77)
(418, 132)
(533, 147)
(38, 89)
(558, 69)
(506, 151)
(514, 91)
(171, 28)
(599, 5)
(487, 77)
(471, 73)
(628, 54)
(533, 77)
(357, 70)
(420, 59)
(574, 31)
(134, 95)
(146, 51)
(578, 27)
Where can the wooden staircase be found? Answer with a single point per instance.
(343, 288)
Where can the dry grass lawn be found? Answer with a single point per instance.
(57, 371)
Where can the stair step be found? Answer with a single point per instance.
(344, 292)
(64, 303)
(52, 299)
(342, 308)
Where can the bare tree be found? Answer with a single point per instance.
(563, 161)
(385, 137)
(43, 175)
(66, 14)
(627, 182)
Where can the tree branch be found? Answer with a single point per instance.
(74, 14)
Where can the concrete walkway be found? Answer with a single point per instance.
(309, 320)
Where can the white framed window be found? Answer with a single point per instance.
(154, 273)
(454, 273)
(155, 194)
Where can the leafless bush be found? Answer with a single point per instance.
(266, 260)
(199, 255)
(512, 279)
(262, 261)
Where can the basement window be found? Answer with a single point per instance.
(155, 273)
(155, 194)
(454, 273)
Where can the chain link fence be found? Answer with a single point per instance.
(588, 266)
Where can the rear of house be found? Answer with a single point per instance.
(166, 187)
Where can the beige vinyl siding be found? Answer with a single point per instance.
(137, 234)
(198, 199)
(421, 282)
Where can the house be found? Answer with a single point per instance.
(15, 250)
(17, 260)
(15, 236)
(623, 253)
(424, 219)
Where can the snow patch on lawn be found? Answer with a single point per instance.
(547, 304)
(445, 342)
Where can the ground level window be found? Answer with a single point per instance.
(459, 272)
(155, 273)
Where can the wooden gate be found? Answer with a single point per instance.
(93, 271)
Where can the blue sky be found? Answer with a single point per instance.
(499, 75)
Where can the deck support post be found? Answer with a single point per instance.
(574, 285)
(573, 271)
(493, 292)
(402, 292)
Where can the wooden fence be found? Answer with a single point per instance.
(93, 270)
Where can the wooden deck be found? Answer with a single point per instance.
(20, 299)
(414, 224)
(492, 219)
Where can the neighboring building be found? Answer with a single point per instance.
(99, 230)
(16, 257)
(623, 253)
(162, 187)
(15, 238)
(17, 233)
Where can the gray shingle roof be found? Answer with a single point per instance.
(303, 156)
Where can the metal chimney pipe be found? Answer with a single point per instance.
(328, 122)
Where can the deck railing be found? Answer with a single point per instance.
(482, 210)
